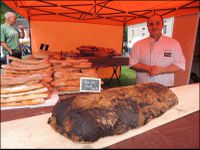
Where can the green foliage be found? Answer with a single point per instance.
(3, 10)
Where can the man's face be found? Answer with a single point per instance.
(12, 19)
(155, 25)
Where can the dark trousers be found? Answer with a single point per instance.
(17, 54)
(4, 60)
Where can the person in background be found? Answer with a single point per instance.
(10, 36)
(157, 57)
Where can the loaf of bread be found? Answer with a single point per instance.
(23, 103)
(20, 88)
(86, 118)
(25, 97)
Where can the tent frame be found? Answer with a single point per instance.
(94, 13)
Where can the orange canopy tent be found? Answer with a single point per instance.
(112, 12)
(65, 16)
(67, 24)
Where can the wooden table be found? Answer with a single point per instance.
(109, 61)
(180, 133)
(114, 62)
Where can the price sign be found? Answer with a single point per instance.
(90, 84)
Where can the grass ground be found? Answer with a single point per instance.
(127, 77)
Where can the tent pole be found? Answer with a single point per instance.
(123, 36)
(29, 22)
(122, 45)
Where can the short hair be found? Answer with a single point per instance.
(9, 14)
(156, 15)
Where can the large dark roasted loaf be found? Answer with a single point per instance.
(86, 118)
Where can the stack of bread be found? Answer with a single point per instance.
(87, 50)
(25, 82)
(67, 71)
(67, 74)
(30, 81)
(48, 55)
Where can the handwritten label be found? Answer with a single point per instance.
(90, 84)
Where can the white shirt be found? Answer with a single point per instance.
(164, 52)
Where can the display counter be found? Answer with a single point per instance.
(177, 128)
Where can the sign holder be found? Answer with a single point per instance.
(90, 84)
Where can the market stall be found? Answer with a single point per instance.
(101, 23)
(77, 24)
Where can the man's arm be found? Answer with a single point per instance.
(171, 69)
(3, 40)
(141, 67)
(4, 45)
(155, 70)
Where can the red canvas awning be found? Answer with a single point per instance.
(111, 12)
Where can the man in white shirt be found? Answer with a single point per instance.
(157, 57)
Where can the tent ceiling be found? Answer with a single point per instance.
(101, 11)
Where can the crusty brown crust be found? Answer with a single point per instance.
(86, 118)
(23, 103)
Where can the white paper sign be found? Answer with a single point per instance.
(90, 84)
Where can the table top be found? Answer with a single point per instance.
(180, 133)
(109, 61)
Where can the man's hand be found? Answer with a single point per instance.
(10, 52)
(155, 70)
